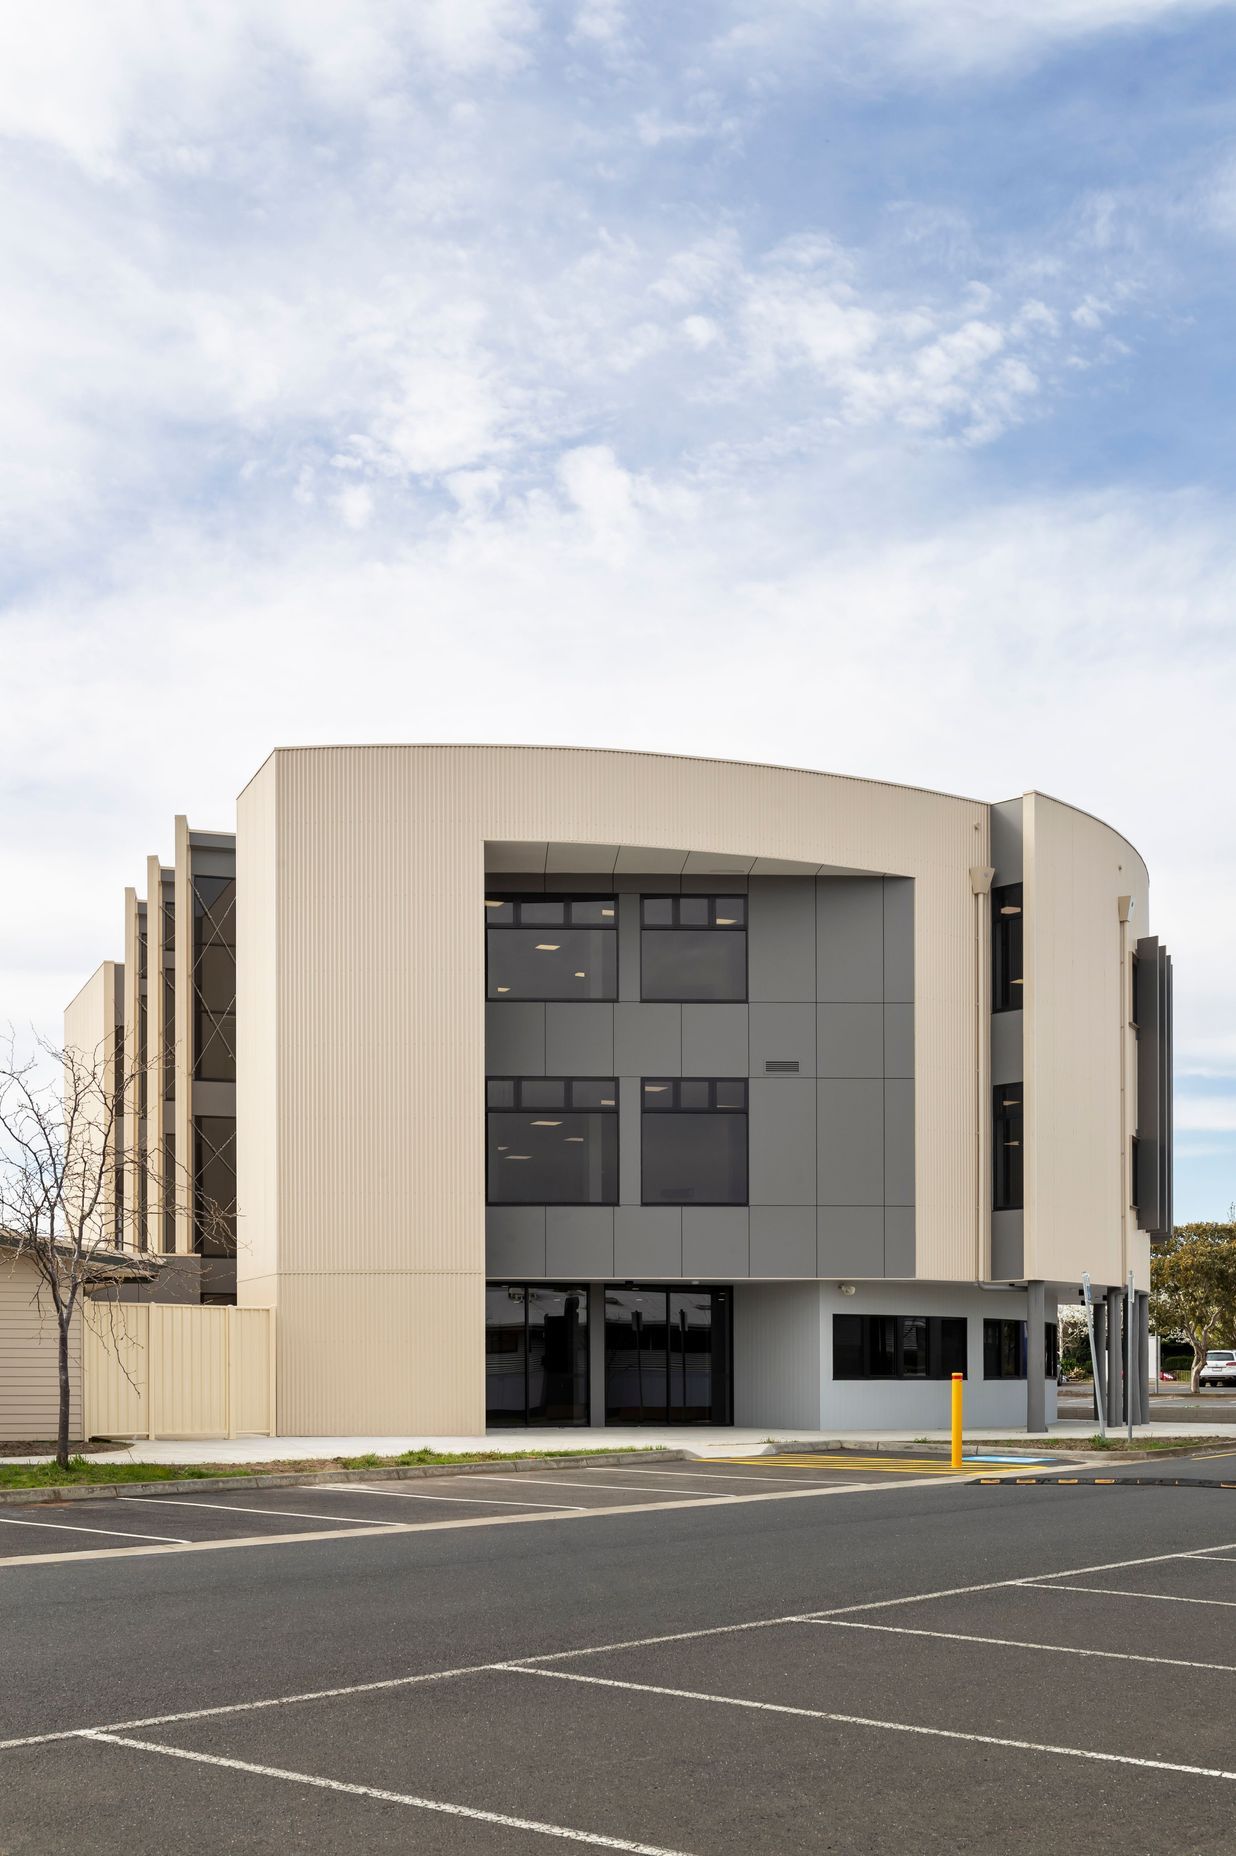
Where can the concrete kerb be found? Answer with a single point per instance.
(1067, 1459)
(317, 1478)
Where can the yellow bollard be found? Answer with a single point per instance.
(958, 1382)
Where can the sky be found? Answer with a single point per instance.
(842, 383)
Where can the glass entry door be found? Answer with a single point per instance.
(667, 1356)
(536, 1354)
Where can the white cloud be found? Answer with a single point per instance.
(1206, 1114)
(102, 87)
(940, 41)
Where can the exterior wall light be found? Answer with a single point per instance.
(846, 1288)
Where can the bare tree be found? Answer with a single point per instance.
(58, 1185)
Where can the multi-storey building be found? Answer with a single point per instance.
(563, 1086)
(164, 1021)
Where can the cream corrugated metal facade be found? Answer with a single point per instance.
(361, 1060)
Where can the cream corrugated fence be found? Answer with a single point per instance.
(152, 1370)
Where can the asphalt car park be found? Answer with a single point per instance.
(127, 1522)
(836, 1658)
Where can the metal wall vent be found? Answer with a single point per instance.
(781, 1066)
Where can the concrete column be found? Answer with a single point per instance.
(1036, 1399)
(1100, 1354)
(596, 1353)
(1115, 1375)
(1142, 1411)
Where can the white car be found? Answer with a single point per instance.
(1220, 1368)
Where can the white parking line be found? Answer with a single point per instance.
(1018, 1643)
(562, 1831)
(590, 1649)
(293, 1514)
(632, 1488)
(1111, 1591)
(473, 1501)
(862, 1720)
(661, 1477)
(75, 1527)
(370, 1530)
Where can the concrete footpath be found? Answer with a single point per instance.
(698, 1442)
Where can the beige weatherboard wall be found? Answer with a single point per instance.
(361, 990)
(29, 1361)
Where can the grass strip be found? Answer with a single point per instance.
(84, 1469)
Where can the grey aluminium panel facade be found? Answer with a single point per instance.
(830, 1143)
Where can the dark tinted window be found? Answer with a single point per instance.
(1006, 948)
(1004, 1350)
(552, 1141)
(898, 1346)
(1051, 1350)
(214, 978)
(694, 1141)
(551, 947)
(214, 1182)
(694, 948)
(1008, 1150)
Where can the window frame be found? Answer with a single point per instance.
(677, 926)
(996, 1333)
(672, 1107)
(937, 1371)
(1003, 1198)
(553, 1288)
(515, 900)
(518, 1107)
(1007, 991)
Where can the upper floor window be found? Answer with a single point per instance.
(694, 1141)
(1006, 948)
(552, 1140)
(1008, 1134)
(214, 978)
(551, 947)
(694, 948)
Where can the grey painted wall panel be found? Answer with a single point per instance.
(898, 938)
(579, 1241)
(714, 1040)
(647, 1040)
(850, 1142)
(630, 1187)
(515, 1240)
(899, 1240)
(899, 1040)
(781, 939)
(850, 938)
(783, 1240)
(1007, 839)
(782, 1140)
(515, 1039)
(628, 944)
(1007, 1047)
(777, 1354)
(647, 1241)
(715, 1241)
(898, 1141)
(850, 1240)
(783, 1034)
(1008, 1246)
(850, 1040)
(579, 1040)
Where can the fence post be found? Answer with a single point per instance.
(154, 1360)
(229, 1368)
(271, 1416)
